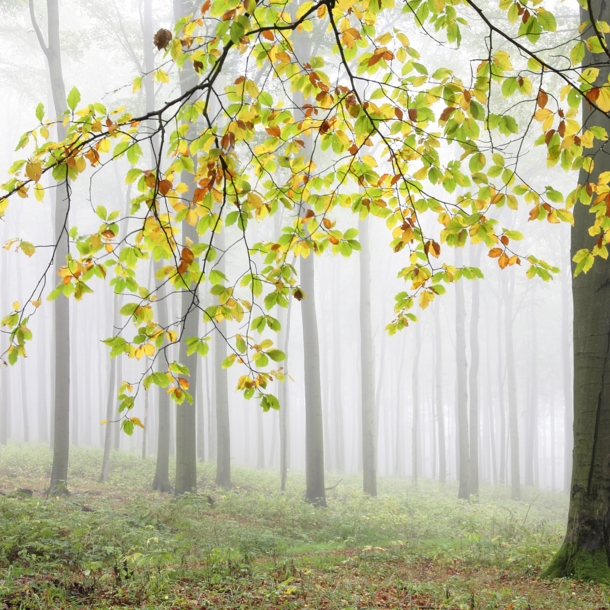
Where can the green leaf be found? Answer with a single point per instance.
(73, 98)
(276, 355)
(40, 112)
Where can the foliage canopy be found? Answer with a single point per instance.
(298, 109)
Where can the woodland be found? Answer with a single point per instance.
(305, 304)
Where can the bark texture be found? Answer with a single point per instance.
(586, 548)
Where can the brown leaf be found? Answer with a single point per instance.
(495, 253)
(504, 240)
(413, 114)
(164, 187)
(542, 99)
(162, 38)
(187, 256)
(268, 35)
(298, 294)
(398, 113)
(561, 130)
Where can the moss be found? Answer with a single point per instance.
(558, 566)
(592, 565)
(581, 564)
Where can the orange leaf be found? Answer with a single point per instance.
(495, 252)
(187, 256)
(503, 261)
(543, 98)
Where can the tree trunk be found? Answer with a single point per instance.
(61, 409)
(186, 413)
(462, 382)
(531, 457)
(585, 551)
(438, 397)
(314, 434)
(112, 395)
(567, 370)
(284, 403)
(223, 427)
(473, 481)
(367, 367)
(508, 290)
(415, 389)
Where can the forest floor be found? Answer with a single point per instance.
(120, 545)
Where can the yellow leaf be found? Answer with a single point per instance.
(36, 303)
(137, 422)
(603, 100)
(33, 171)
(16, 305)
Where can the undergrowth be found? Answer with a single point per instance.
(119, 544)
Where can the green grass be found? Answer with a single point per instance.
(120, 545)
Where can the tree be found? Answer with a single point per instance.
(61, 401)
(461, 388)
(367, 368)
(585, 552)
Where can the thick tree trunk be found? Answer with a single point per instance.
(585, 551)
(367, 367)
(566, 361)
(462, 385)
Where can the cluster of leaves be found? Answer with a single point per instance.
(364, 125)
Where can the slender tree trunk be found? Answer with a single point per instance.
(314, 434)
(462, 381)
(112, 395)
(415, 433)
(367, 367)
(438, 396)
(285, 401)
(223, 427)
(585, 551)
(338, 377)
(473, 482)
(199, 401)
(568, 405)
(531, 456)
(186, 413)
(61, 406)
(513, 420)
(501, 409)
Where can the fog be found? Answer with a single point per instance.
(517, 331)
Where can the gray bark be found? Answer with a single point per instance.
(438, 397)
(61, 403)
(367, 367)
(585, 552)
(508, 290)
(473, 482)
(462, 381)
